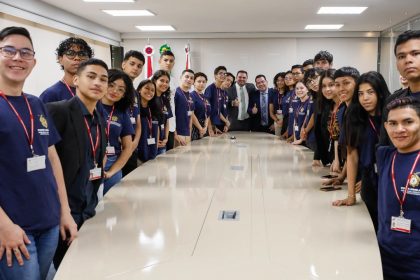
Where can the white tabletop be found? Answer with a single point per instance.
(162, 221)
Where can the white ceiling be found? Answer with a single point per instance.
(244, 16)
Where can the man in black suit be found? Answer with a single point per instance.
(238, 101)
(258, 108)
(83, 142)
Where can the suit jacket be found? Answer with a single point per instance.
(233, 111)
(255, 119)
(69, 121)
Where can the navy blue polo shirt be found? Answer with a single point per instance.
(370, 138)
(400, 251)
(57, 92)
(275, 98)
(146, 151)
(202, 107)
(340, 118)
(119, 126)
(217, 100)
(30, 199)
(293, 104)
(165, 105)
(309, 112)
(299, 115)
(183, 104)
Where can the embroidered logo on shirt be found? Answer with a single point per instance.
(43, 121)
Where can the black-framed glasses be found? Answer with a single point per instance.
(10, 52)
(72, 54)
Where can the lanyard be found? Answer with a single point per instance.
(185, 95)
(31, 116)
(203, 99)
(279, 99)
(68, 87)
(373, 127)
(402, 200)
(108, 127)
(218, 102)
(94, 147)
(149, 123)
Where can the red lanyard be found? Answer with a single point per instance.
(94, 147)
(401, 201)
(108, 127)
(279, 100)
(68, 87)
(149, 123)
(31, 116)
(373, 126)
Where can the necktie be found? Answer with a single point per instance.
(243, 114)
(264, 116)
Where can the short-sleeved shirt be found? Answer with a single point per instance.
(218, 103)
(275, 98)
(119, 126)
(293, 106)
(57, 92)
(146, 151)
(183, 104)
(30, 199)
(400, 251)
(202, 107)
(309, 113)
(299, 116)
(367, 149)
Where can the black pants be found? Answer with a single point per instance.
(369, 194)
(170, 143)
(130, 165)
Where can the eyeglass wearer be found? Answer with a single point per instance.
(10, 52)
(72, 54)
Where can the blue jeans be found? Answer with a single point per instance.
(41, 251)
(161, 151)
(108, 183)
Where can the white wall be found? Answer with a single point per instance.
(266, 56)
(47, 71)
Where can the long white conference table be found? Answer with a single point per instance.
(165, 220)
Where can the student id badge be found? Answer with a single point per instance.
(133, 120)
(290, 110)
(95, 174)
(401, 224)
(190, 113)
(35, 163)
(296, 128)
(151, 141)
(110, 150)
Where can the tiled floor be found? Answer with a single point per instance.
(162, 221)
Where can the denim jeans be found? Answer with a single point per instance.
(108, 183)
(41, 251)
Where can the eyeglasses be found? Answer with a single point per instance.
(313, 81)
(117, 89)
(10, 52)
(296, 73)
(222, 73)
(72, 54)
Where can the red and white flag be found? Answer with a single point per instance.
(187, 56)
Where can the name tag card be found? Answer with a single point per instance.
(133, 120)
(401, 224)
(35, 163)
(151, 141)
(95, 173)
(190, 113)
(296, 128)
(110, 150)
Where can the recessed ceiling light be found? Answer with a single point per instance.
(110, 1)
(324, 26)
(342, 10)
(128, 13)
(155, 27)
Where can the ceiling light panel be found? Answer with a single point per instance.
(323, 26)
(155, 27)
(341, 10)
(129, 13)
(110, 1)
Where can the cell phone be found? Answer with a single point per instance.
(329, 176)
(330, 188)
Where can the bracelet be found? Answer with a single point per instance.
(351, 196)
